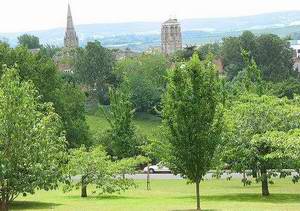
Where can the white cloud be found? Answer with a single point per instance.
(21, 15)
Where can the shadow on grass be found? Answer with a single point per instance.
(273, 198)
(32, 205)
(195, 210)
(102, 197)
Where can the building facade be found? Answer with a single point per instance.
(71, 39)
(171, 38)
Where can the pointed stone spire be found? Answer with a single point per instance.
(71, 39)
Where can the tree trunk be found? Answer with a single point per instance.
(4, 201)
(148, 177)
(3, 206)
(83, 191)
(264, 182)
(83, 187)
(244, 177)
(198, 195)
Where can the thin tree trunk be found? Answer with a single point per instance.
(244, 177)
(264, 182)
(198, 194)
(148, 177)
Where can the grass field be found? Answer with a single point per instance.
(171, 195)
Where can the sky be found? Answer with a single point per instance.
(29, 15)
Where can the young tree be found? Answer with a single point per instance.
(192, 117)
(121, 140)
(32, 145)
(95, 167)
(29, 41)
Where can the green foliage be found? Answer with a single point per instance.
(145, 77)
(95, 167)
(259, 128)
(192, 118)
(68, 100)
(29, 41)
(94, 67)
(203, 52)
(49, 50)
(272, 54)
(70, 103)
(121, 140)
(32, 145)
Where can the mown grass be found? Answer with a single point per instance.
(171, 195)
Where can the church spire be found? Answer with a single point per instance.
(71, 39)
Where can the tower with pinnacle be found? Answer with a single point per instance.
(71, 39)
(171, 39)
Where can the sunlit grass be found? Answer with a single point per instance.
(171, 195)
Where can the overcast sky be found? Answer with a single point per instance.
(26, 15)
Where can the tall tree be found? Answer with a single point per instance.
(192, 117)
(94, 67)
(29, 41)
(32, 145)
(121, 139)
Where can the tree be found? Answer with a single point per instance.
(121, 140)
(192, 117)
(29, 41)
(95, 167)
(275, 149)
(272, 54)
(32, 144)
(70, 104)
(145, 77)
(94, 67)
(231, 52)
(68, 101)
(274, 57)
(49, 50)
(261, 127)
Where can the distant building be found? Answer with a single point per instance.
(71, 39)
(64, 59)
(171, 39)
(295, 45)
(120, 54)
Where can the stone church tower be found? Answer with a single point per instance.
(71, 39)
(171, 39)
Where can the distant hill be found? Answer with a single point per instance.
(142, 35)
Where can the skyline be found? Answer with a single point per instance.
(32, 15)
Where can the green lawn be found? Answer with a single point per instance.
(171, 195)
(146, 124)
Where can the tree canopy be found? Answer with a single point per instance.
(29, 41)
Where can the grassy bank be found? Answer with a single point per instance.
(146, 124)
